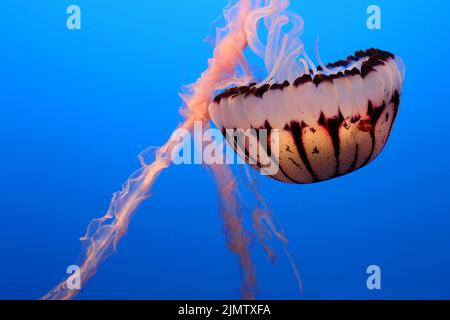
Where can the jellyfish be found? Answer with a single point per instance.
(331, 120)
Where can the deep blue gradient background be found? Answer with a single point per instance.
(76, 107)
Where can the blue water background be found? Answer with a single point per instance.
(76, 107)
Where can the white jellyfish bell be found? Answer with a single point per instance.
(330, 120)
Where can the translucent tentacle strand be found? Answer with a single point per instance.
(104, 234)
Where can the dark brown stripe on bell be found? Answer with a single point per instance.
(268, 150)
(353, 72)
(277, 86)
(237, 147)
(396, 101)
(366, 69)
(332, 126)
(396, 98)
(374, 114)
(303, 79)
(338, 75)
(339, 64)
(268, 129)
(355, 160)
(297, 134)
(318, 79)
(261, 90)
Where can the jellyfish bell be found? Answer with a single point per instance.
(330, 121)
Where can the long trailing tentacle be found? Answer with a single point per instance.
(238, 239)
(265, 224)
(104, 234)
